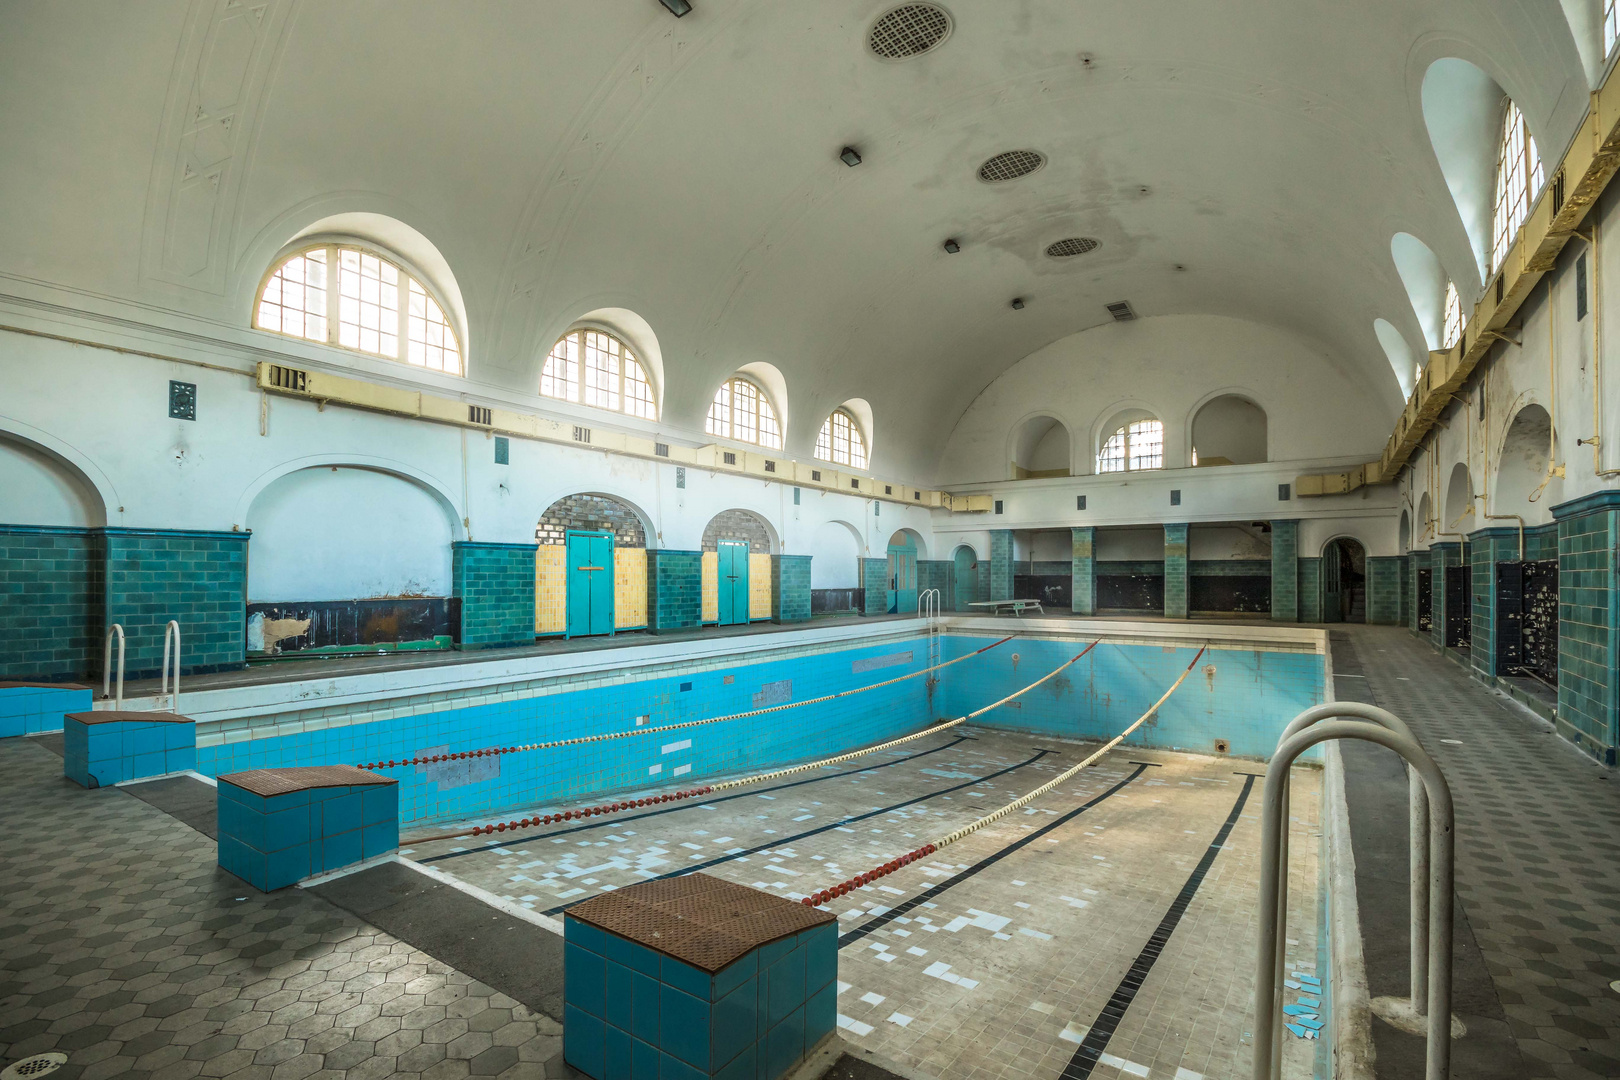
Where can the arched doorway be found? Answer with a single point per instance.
(902, 574)
(590, 568)
(966, 571)
(1344, 581)
(736, 568)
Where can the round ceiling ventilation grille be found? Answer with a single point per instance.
(1074, 245)
(909, 30)
(1010, 166)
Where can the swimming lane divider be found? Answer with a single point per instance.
(816, 899)
(758, 778)
(620, 822)
(496, 751)
(878, 922)
(784, 841)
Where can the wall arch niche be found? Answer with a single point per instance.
(1459, 505)
(737, 546)
(1040, 448)
(1425, 520)
(39, 488)
(1229, 430)
(965, 567)
(590, 569)
(1521, 468)
(348, 559)
(1404, 536)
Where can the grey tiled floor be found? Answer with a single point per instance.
(1538, 853)
(125, 947)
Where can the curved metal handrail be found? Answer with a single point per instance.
(928, 608)
(107, 668)
(172, 630)
(1274, 894)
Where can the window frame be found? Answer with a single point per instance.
(1520, 177)
(627, 356)
(1451, 324)
(731, 413)
(334, 247)
(857, 432)
(1127, 455)
(1610, 20)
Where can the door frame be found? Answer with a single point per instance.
(568, 581)
(719, 588)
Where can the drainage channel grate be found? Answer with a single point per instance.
(38, 1065)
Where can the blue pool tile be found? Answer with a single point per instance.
(584, 934)
(338, 851)
(584, 1041)
(784, 1044)
(629, 953)
(684, 977)
(616, 1061)
(673, 1068)
(683, 1026)
(644, 1060)
(742, 1067)
(584, 979)
(786, 990)
(735, 1024)
(734, 975)
(820, 1015)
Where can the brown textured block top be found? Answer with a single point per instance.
(112, 716)
(268, 782)
(705, 921)
(26, 685)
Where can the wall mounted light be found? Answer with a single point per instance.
(1018, 303)
(676, 8)
(850, 156)
(952, 247)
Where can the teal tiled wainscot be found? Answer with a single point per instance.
(1175, 571)
(29, 707)
(495, 585)
(1588, 635)
(280, 826)
(790, 588)
(100, 749)
(1001, 564)
(50, 602)
(674, 589)
(1083, 570)
(198, 579)
(1285, 571)
(696, 977)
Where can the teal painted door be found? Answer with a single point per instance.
(967, 576)
(733, 582)
(903, 578)
(590, 584)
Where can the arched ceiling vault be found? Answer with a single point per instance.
(1250, 159)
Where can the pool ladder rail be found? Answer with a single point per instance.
(928, 608)
(171, 648)
(1431, 822)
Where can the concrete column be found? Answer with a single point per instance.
(1285, 571)
(1175, 570)
(1001, 564)
(1588, 635)
(1444, 555)
(1083, 590)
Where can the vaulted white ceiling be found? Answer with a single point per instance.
(566, 157)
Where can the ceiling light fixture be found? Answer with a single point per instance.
(1018, 303)
(952, 247)
(676, 8)
(850, 156)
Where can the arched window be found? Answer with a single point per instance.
(743, 412)
(1611, 27)
(598, 369)
(1138, 444)
(841, 441)
(381, 310)
(1451, 329)
(1519, 177)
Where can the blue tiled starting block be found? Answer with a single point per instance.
(100, 749)
(695, 977)
(29, 707)
(280, 826)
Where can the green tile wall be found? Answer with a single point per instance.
(674, 589)
(1442, 554)
(1284, 572)
(1416, 561)
(50, 602)
(1588, 637)
(1175, 570)
(937, 574)
(1486, 548)
(790, 588)
(1083, 568)
(875, 580)
(1309, 589)
(495, 584)
(196, 578)
(1384, 589)
(1001, 564)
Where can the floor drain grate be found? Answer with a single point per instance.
(38, 1065)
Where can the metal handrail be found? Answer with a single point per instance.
(928, 608)
(107, 668)
(171, 630)
(1417, 840)
(1274, 888)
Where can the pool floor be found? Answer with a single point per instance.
(997, 956)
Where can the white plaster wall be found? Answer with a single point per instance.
(331, 533)
(1227, 542)
(834, 554)
(1169, 366)
(36, 489)
(1128, 544)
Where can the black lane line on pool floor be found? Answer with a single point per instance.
(786, 840)
(1102, 1029)
(849, 937)
(620, 822)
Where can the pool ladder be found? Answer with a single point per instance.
(171, 647)
(928, 608)
(1431, 823)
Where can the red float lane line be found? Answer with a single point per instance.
(612, 808)
(816, 899)
(497, 750)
